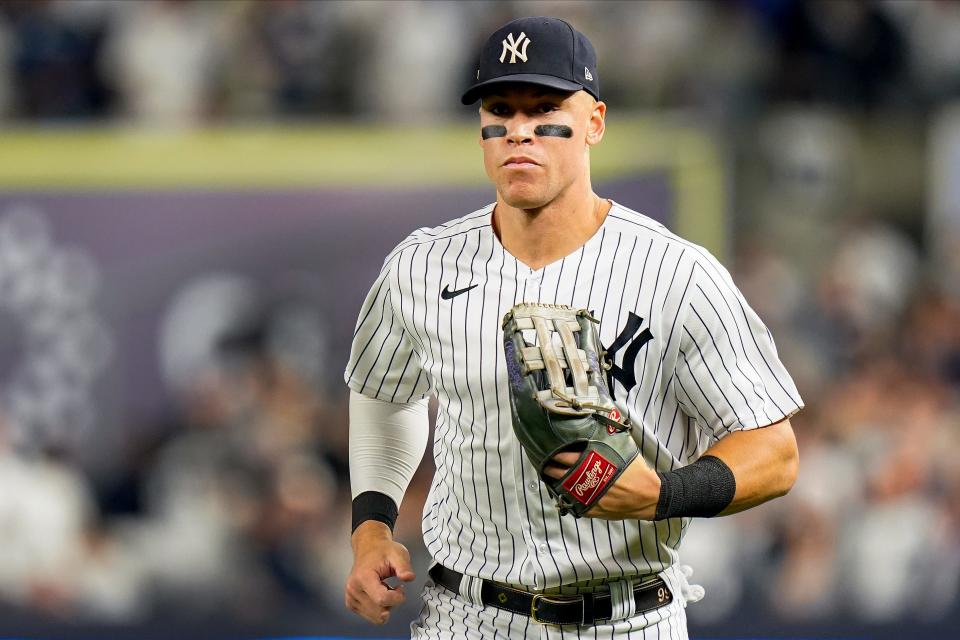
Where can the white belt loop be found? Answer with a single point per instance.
(622, 601)
(470, 589)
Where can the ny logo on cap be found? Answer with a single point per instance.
(510, 45)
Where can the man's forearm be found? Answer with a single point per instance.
(743, 470)
(764, 463)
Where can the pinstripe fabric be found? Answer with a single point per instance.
(694, 364)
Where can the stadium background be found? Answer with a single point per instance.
(194, 197)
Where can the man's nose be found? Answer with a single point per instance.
(520, 130)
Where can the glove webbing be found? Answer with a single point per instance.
(546, 322)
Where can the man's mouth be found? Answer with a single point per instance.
(520, 162)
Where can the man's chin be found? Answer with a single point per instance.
(524, 200)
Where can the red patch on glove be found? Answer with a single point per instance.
(590, 478)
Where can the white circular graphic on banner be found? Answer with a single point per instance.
(58, 344)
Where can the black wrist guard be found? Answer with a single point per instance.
(700, 490)
(373, 505)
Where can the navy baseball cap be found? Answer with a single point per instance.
(542, 51)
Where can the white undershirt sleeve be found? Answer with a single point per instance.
(387, 441)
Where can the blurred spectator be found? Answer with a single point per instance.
(238, 497)
(6, 68)
(869, 282)
(416, 68)
(929, 337)
(160, 57)
(845, 53)
(53, 556)
(659, 61)
(933, 32)
(54, 52)
(289, 58)
(889, 566)
(317, 55)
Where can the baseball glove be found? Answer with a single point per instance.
(560, 401)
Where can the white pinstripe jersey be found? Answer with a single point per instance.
(692, 362)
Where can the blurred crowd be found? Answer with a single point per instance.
(232, 508)
(184, 62)
(239, 504)
(871, 531)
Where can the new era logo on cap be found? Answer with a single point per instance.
(541, 51)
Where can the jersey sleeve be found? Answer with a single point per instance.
(383, 361)
(728, 374)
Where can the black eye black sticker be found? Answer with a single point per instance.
(558, 130)
(500, 131)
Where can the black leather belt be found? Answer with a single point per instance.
(585, 609)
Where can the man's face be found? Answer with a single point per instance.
(530, 167)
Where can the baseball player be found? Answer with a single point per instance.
(691, 367)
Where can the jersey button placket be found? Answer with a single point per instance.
(535, 278)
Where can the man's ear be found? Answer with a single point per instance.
(597, 123)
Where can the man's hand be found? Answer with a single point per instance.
(633, 497)
(376, 557)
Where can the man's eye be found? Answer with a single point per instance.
(547, 108)
(499, 109)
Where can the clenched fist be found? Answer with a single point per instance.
(376, 557)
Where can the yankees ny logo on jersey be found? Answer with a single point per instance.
(625, 374)
(510, 45)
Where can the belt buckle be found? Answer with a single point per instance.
(537, 597)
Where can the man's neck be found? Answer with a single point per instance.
(538, 237)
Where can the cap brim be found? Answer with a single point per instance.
(551, 82)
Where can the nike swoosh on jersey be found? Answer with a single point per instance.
(446, 294)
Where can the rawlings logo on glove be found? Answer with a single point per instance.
(598, 473)
(560, 402)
